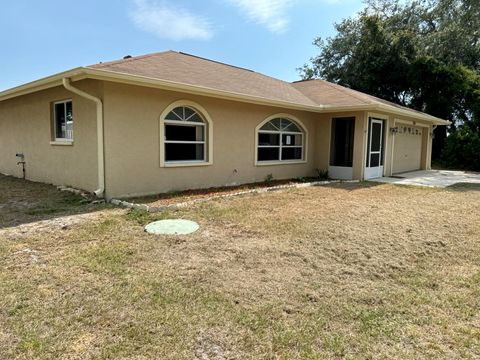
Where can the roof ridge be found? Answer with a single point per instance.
(249, 70)
(132, 58)
(215, 61)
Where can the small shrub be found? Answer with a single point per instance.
(322, 174)
(268, 178)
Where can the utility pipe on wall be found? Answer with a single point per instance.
(100, 192)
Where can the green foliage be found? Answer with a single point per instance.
(143, 217)
(462, 148)
(423, 54)
(268, 178)
(322, 174)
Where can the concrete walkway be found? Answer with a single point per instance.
(432, 178)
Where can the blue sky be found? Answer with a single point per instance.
(274, 37)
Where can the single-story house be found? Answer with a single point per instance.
(171, 121)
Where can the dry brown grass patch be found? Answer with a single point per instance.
(342, 271)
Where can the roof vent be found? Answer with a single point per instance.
(127, 57)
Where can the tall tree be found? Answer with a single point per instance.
(424, 54)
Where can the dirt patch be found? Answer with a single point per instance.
(193, 195)
(60, 223)
(23, 202)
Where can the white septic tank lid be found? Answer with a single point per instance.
(172, 227)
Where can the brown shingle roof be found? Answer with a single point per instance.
(330, 94)
(192, 70)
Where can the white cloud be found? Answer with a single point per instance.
(169, 22)
(270, 13)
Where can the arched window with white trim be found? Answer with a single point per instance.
(186, 134)
(280, 139)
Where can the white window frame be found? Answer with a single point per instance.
(57, 140)
(303, 133)
(207, 135)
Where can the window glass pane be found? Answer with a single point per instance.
(60, 121)
(184, 152)
(291, 140)
(188, 112)
(184, 133)
(376, 136)
(270, 126)
(195, 118)
(172, 115)
(288, 125)
(289, 153)
(374, 160)
(179, 112)
(69, 121)
(268, 154)
(276, 123)
(184, 114)
(268, 139)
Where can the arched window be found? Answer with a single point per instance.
(185, 136)
(280, 139)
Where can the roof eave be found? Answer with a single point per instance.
(44, 83)
(422, 116)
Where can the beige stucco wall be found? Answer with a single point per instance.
(132, 143)
(25, 127)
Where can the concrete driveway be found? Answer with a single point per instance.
(432, 178)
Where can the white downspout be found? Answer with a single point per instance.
(100, 149)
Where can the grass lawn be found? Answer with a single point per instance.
(349, 271)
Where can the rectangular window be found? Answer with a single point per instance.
(63, 120)
(184, 152)
(341, 147)
(266, 139)
(184, 142)
(268, 153)
(279, 146)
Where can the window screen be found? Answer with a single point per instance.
(342, 139)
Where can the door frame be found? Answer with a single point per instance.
(341, 172)
(377, 171)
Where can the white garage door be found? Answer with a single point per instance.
(408, 149)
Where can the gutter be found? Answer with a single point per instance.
(100, 192)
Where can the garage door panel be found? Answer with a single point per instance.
(407, 153)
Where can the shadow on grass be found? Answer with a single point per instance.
(352, 186)
(23, 202)
(464, 187)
